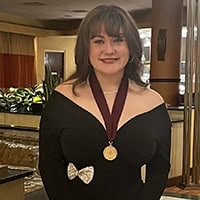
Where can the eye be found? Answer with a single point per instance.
(119, 39)
(98, 41)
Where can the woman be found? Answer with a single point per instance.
(103, 124)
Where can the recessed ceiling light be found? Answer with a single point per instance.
(79, 11)
(33, 3)
(67, 16)
(76, 11)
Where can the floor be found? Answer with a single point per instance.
(171, 198)
(179, 191)
(180, 194)
(38, 194)
(171, 193)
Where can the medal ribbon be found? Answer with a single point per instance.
(111, 119)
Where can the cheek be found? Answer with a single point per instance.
(91, 52)
(93, 55)
(126, 55)
(91, 58)
(125, 50)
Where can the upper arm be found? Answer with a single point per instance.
(157, 168)
(51, 163)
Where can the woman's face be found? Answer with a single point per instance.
(108, 55)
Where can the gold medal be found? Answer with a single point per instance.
(110, 152)
(111, 119)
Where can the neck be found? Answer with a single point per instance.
(109, 83)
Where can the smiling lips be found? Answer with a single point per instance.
(109, 60)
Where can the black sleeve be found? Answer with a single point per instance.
(158, 167)
(51, 164)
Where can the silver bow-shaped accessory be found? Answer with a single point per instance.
(86, 174)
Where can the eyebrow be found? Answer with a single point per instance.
(120, 35)
(96, 36)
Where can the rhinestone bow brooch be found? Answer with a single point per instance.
(86, 174)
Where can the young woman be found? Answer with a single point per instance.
(103, 124)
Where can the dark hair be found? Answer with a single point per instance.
(114, 19)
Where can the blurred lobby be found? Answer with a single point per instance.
(169, 31)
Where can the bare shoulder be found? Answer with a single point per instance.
(145, 93)
(153, 96)
(65, 88)
(146, 97)
(150, 99)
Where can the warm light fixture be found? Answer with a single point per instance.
(78, 11)
(33, 3)
(75, 13)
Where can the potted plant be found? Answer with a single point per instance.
(50, 81)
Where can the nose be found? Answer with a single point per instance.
(109, 48)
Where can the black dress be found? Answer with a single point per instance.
(69, 133)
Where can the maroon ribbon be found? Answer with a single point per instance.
(111, 119)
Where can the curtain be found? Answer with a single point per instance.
(17, 66)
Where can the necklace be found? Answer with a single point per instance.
(104, 92)
(110, 92)
(111, 119)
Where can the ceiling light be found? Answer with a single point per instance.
(75, 13)
(33, 3)
(79, 11)
(68, 16)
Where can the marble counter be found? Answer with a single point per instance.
(12, 183)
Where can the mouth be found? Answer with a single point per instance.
(109, 60)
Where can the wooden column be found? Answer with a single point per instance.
(166, 46)
(191, 134)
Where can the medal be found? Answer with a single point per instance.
(110, 152)
(111, 119)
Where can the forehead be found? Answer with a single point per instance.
(106, 28)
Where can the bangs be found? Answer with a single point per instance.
(111, 21)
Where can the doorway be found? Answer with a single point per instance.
(56, 61)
